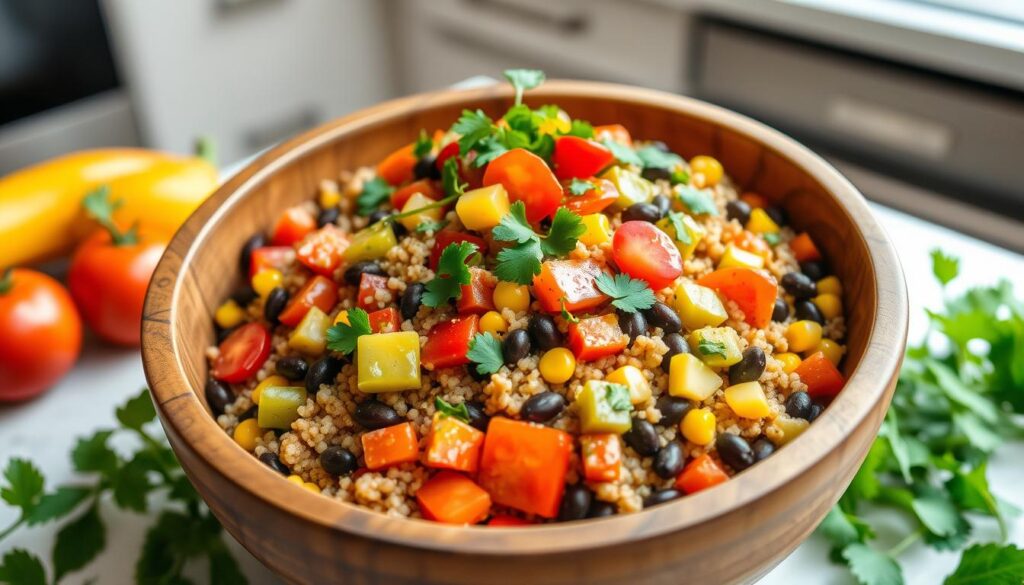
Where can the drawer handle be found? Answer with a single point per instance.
(563, 20)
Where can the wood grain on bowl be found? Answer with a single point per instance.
(732, 533)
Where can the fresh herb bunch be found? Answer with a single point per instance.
(520, 262)
(949, 412)
(342, 337)
(184, 530)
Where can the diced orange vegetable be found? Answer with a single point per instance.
(613, 132)
(596, 337)
(754, 199)
(477, 296)
(369, 284)
(453, 444)
(602, 456)
(322, 251)
(754, 291)
(453, 498)
(524, 466)
(570, 282)
(804, 249)
(699, 474)
(507, 520)
(319, 292)
(292, 226)
(820, 375)
(753, 243)
(390, 446)
(423, 186)
(385, 320)
(397, 167)
(527, 178)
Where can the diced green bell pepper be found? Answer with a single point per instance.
(388, 362)
(310, 336)
(699, 306)
(279, 406)
(604, 407)
(632, 187)
(371, 243)
(717, 347)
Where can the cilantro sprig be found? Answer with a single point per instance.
(375, 192)
(459, 411)
(627, 293)
(342, 337)
(711, 347)
(524, 79)
(579, 187)
(698, 202)
(452, 273)
(485, 352)
(521, 262)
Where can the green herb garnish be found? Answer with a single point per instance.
(455, 411)
(675, 219)
(431, 226)
(452, 273)
(772, 238)
(652, 157)
(580, 187)
(375, 192)
(569, 317)
(696, 201)
(627, 293)
(485, 352)
(524, 79)
(423, 146)
(342, 337)
(711, 347)
(520, 263)
(625, 154)
(617, 397)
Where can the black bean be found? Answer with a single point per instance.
(475, 373)
(815, 412)
(664, 316)
(478, 418)
(272, 461)
(664, 204)
(734, 451)
(806, 310)
(243, 295)
(661, 496)
(353, 274)
(642, 437)
(575, 503)
(543, 332)
(218, 396)
(669, 461)
(426, 169)
(633, 325)
(798, 285)
(338, 460)
(777, 214)
(411, 300)
(738, 210)
(378, 215)
(275, 303)
(781, 311)
(542, 407)
(599, 509)
(516, 346)
(814, 269)
(762, 448)
(253, 412)
(292, 367)
(245, 257)
(327, 216)
(673, 409)
(656, 174)
(374, 414)
(641, 212)
(223, 334)
(750, 367)
(798, 405)
(676, 344)
(323, 371)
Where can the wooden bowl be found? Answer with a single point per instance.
(732, 533)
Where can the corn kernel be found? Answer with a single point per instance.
(830, 305)
(482, 209)
(803, 335)
(266, 280)
(229, 314)
(492, 322)
(739, 258)
(830, 285)
(832, 350)
(266, 383)
(747, 400)
(761, 223)
(632, 378)
(790, 361)
(297, 480)
(329, 196)
(708, 168)
(698, 426)
(509, 295)
(557, 365)
(598, 229)
(311, 487)
(246, 434)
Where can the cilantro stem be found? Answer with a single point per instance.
(7, 532)
(440, 203)
(904, 544)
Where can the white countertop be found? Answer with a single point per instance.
(45, 429)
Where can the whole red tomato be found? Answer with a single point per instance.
(40, 333)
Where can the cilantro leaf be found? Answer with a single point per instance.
(581, 128)
(431, 226)
(842, 529)
(653, 157)
(936, 511)
(871, 567)
(678, 222)
(580, 187)
(452, 273)
(569, 317)
(132, 485)
(711, 347)
(472, 127)
(487, 150)
(617, 397)
(424, 145)
(58, 504)
(627, 293)
(623, 153)
(18, 566)
(520, 263)
(342, 337)
(944, 267)
(679, 177)
(450, 180)
(698, 202)
(485, 352)
(989, 564)
(24, 484)
(566, 228)
(138, 411)
(79, 542)
(455, 411)
(93, 454)
(514, 227)
(523, 79)
(375, 192)
(772, 238)
(224, 569)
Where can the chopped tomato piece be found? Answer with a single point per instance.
(754, 200)
(322, 250)
(643, 251)
(369, 284)
(242, 353)
(596, 337)
(753, 243)
(477, 296)
(451, 149)
(385, 320)
(446, 237)
(699, 474)
(453, 444)
(453, 498)
(613, 132)
(468, 172)
(820, 375)
(423, 186)
(448, 342)
(527, 178)
(754, 291)
(576, 158)
(804, 249)
(319, 291)
(508, 520)
(570, 282)
(593, 201)
(293, 225)
(602, 456)
(390, 446)
(524, 466)
(276, 257)
(397, 167)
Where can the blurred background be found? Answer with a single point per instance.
(919, 102)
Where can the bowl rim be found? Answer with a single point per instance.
(865, 391)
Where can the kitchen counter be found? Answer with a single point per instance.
(45, 429)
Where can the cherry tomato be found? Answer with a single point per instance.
(593, 201)
(108, 283)
(42, 333)
(318, 292)
(242, 354)
(293, 225)
(643, 251)
(397, 167)
(576, 158)
(450, 150)
(322, 250)
(527, 178)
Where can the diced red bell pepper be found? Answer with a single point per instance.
(613, 132)
(369, 284)
(453, 444)
(596, 337)
(390, 446)
(425, 187)
(643, 251)
(446, 237)
(570, 282)
(602, 456)
(453, 498)
(448, 342)
(577, 158)
(276, 257)
(754, 291)
(242, 353)
(595, 200)
(451, 149)
(319, 291)
(699, 474)
(508, 520)
(293, 225)
(822, 377)
(322, 250)
(524, 466)
(527, 178)
(804, 249)
(397, 167)
(477, 296)
(385, 320)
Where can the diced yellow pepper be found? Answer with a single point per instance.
(832, 350)
(266, 280)
(329, 195)
(699, 306)
(228, 314)
(417, 201)
(698, 426)
(631, 186)
(803, 335)
(718, 347)
(739, 258)
(761, 223)
(274, 380)
(310, 336)
(481, 209)
(686, 243)
(604, 407)
(830, 305)
(790, 361)
(791, 428)
(747, 400)
(688, 377)
(371, 243)
(279, 406)
(388, 362)
(632, 378)
(598, 229)
(830, 285)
